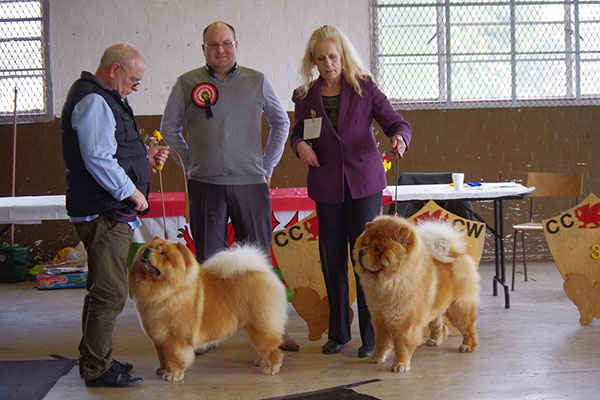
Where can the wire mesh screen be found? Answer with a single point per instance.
(486, 53)
(24, 60)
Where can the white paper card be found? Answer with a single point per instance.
(312, 128)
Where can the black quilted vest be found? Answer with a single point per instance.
(84, 195)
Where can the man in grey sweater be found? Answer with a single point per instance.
(222, 104)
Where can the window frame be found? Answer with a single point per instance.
(570, 57)
(33, 115)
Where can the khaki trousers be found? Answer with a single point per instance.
(107, 243)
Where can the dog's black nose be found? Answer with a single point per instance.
(147, 252)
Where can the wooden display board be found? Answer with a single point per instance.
(573, 238)
(474, 231)
(296, 249)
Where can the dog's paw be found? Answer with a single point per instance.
(376, 359)
(270, 370)
(169, 376)
(400, 367)
(465, 348)
(267, 369)
(433, 342)
(173, 376)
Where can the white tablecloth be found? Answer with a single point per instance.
(487, 191)
(32, 209)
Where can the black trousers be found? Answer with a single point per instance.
(339, 226)
(211, 206)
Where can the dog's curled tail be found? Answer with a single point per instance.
(442, 240)
(235, 260)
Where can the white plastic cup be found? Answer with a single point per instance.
(458, 178)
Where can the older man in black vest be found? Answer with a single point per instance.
(108, 177)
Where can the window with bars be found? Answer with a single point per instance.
(24, 63)
(486, 53)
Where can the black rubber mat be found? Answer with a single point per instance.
(334, 393)
(31, 379)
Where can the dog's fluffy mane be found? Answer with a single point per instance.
(236, 260)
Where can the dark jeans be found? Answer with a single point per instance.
(339, 226)
(248, 206)
(107, 244)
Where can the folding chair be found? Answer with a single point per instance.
(547, 184)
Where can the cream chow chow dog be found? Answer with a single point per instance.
(414, 276)
(183, 306)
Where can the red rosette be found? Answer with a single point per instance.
(205, 91)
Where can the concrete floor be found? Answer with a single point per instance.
(535, 350)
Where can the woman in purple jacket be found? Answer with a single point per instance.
(333, 135)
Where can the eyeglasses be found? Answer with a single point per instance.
(226, 45)
(134, 82)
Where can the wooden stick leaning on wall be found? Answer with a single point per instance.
(14, 165)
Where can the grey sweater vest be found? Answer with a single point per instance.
(226, 149)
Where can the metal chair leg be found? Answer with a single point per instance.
(512, 286)
(524, 257)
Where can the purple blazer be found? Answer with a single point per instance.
(352, 150)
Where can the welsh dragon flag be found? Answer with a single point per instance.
(153, 224)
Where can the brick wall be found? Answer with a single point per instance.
(486, 144)
(272, 37)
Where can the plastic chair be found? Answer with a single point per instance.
(462, 208)
(547, 184)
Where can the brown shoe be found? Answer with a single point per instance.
(288, 343)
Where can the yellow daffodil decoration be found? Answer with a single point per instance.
(387, 162)
(151, 140)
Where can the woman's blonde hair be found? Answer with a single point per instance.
(352, 66)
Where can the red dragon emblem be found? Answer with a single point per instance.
(185, 234)
(587, 215)
(428, 216)
(312, 227)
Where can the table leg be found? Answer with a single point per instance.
(500, 276)
(5, 229)
(496, 253)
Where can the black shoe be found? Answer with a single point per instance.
(365, 351)
(114, 377)
(332, 347)
(125, 366)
